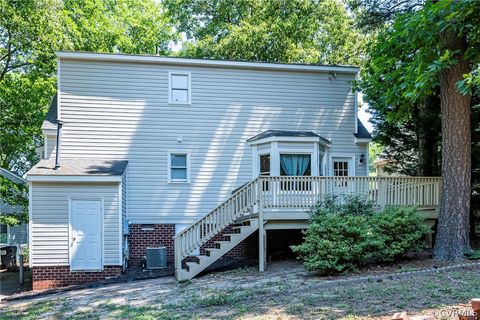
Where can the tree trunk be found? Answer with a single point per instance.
(428, 125)
(453, 226)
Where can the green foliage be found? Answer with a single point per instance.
(473, 254)
(16, 195)
(268, 30)
(125, 26)
(401, 228)
(402, 69)
(31, 31)
(374, 151)
(345, 235)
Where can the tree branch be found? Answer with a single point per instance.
(8, 56)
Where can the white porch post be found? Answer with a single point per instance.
(274, 159)
(315, 160)
(261, 232)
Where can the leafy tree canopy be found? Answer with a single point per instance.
(301, 31)
(31, 31)
(14, 195)
(405, 60)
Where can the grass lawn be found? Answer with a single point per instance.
(286, 291)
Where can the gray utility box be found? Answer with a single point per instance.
(156, 258)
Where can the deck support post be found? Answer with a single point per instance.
(261, 231)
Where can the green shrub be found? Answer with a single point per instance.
(402, 230)
(344, 235)
(473, 254)
(336, 243)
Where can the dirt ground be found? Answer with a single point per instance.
(284, 291)
(9, 283)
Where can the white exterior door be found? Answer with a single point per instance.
(86, 234)
(341, 169)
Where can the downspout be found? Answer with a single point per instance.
(57, 154)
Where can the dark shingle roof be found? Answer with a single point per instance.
(79, 167)
(362, 131)
(286, 133)
(50, 121)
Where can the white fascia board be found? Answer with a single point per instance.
(55, 178)
(289, 139)
(202, 62)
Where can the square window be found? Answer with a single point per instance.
(340, 168)
(178, 167)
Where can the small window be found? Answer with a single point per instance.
(340, 168)
(178, 171)
(179, 88)
(265, 164)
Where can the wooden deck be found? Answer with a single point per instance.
(282, 202)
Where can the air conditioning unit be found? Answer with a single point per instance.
(156, 258)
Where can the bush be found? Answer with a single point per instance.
(344, 235)
(402, 230)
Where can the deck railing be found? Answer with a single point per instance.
(197, 234)
(303, 192)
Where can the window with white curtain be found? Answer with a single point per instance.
(179, 88)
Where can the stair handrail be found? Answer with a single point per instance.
(193, 237)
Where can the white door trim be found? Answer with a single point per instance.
(70, 213)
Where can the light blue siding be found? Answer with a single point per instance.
(115, 110)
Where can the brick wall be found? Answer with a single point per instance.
(60, 276)
(239, 251)
(161, 235)
(142, 236)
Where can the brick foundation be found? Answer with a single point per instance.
(60, 276)
(161, 235)
(142, 237)
(239, 251)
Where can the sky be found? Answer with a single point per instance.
(364, 116)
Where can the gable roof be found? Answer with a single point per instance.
(79, 167)
(362, 132)
(137, 58)
(50, 121)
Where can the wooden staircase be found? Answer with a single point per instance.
(240, 233)
(240, 206)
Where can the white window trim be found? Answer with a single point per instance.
(169, 166)
(30, 224)
(351, 160)
(70, 232)
(189, 89)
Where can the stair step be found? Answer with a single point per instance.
(210, 251)
(241, 232)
